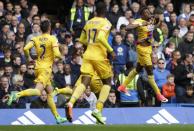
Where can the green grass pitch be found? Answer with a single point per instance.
(100, 128)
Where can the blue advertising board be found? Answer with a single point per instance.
(149, 115)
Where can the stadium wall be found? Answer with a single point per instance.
(155, 115)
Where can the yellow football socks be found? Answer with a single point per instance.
(130, 77)
(102, 97)
(79, 90)
(28, 92)
(65, 91)
(153, 84)
(52, 105)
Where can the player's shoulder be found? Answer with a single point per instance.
(106, 25)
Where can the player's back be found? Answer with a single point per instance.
(95, 49)
(44, 48)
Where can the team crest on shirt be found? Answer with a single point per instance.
(119, 51)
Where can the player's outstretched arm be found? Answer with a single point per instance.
(27, 48)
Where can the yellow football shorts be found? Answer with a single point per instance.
(95, 84)
(144, 55)
(43, 76)
(102, 68)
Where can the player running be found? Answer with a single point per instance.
(47, 50)
(95, 37)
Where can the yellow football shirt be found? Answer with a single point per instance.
(144, 32)
(95, 37)
(47, 49)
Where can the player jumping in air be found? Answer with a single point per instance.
(144, 27)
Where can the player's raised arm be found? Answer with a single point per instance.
(27, 48)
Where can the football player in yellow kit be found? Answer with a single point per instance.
(144, 27)
(95, 37)
(47, 50)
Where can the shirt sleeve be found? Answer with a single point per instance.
(55, 45)
(101, 37)
(27, 48)
(83, 37)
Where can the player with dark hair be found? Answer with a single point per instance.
(95, 37)
(144, 27)
(47, 50)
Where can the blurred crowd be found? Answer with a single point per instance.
(172, 57)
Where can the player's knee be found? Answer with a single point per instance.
(106, 81)
(149, 70)
(139, 68)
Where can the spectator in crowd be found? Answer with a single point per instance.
(151, 8)
(82, 102)
(112, 100)
(21, 32)
(130, 42)
(187, 46)
(155, 50)
(168, 89)
(135, 10)
(29, 76)
(25, 8)
(64, 52)
(5, 89)
(170, 47)
(90, 97)
(160, 73)
(9, 7)
(75, 64)
(173, 62)
(124, 6)
(121, 51)
(40, 102)
(172, 23)
(7, 57)
(79, 15)
(18, 85)
(17, 12)
(161, 5)
(168, 11)
(186, 9)
(189, 95)
(114, 14)
(19, 49)
(175, 37)
(14, 23)
(183, 74)
(182, 24)
(10, 41)
(154, 60)
(124, 19)
(23, 69)
(16, 64)
(8, 72)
